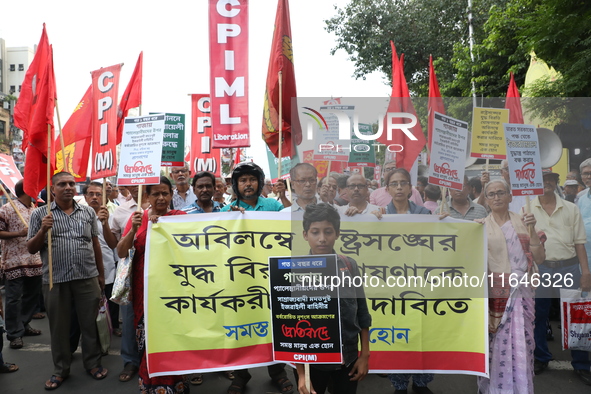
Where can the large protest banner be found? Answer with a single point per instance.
(207, 296)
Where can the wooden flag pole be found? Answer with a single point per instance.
(280, 124)
(139, 197)
(59, 124)
(13, 205)
(49, 255)
(307, 377)
(105, 191)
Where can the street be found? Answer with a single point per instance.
(34, 360)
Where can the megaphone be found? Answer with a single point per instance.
(550, 147)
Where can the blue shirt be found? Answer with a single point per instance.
(584, 203)
(195, 208)
(263, 204)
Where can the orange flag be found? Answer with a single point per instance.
(435, 101)
(281, 60)
(77, 134)
(34, 112)
(412, 138)
(132, 97)
(513, 103)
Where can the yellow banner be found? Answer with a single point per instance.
(207, 297)
(488, 135)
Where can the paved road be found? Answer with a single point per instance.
(34, 360)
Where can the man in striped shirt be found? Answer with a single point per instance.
(78, 276)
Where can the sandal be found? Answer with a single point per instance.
(38, 316)
(57, 380)
(31, 332)
(8, 368)
(128, 372)
(236, 388)
(16, 343)
(284, 384)
(99, 373)
(197, 379)
(228, 374)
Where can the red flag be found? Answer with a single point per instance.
(132, 97)
(34, 112)
(435, 101)
(202, 156)
(237, 157)
(412, 138)
(513, 103)
(77, 133)
(281, 59)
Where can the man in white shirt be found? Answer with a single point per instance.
(182, 194)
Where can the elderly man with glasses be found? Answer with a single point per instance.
(304, 178)
(182, 194)
(357, 197)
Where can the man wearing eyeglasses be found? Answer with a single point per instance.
(182, 194)
(358, 192)
(304, 178)
(565, 255)
(381, 197)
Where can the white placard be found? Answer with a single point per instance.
(141, 150)
(523, 157)
(448, 152)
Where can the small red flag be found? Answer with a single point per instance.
(400, 102)
(435, 101)
(281, 59)
(132, 97)
(513, 103)
(77, 133)
(34, 112)
(237, 157)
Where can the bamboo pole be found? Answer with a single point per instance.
(307, 377)
(59, 124)
(13, 205)
(139, 197)
(49, 255)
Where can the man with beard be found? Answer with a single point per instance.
(182, 193)
(357, 192)
(304, 179)
(247, 182)
(203, 188)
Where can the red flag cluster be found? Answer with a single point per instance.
(33, 114)
(410, 138)
(281, 59)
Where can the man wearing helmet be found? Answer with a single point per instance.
(248, 180)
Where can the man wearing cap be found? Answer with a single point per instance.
(571, 188)
(565, 255)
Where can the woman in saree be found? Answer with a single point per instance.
(513, 254)
(134, 235)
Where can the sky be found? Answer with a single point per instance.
(174, 37)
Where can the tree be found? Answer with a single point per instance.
(419, 28)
